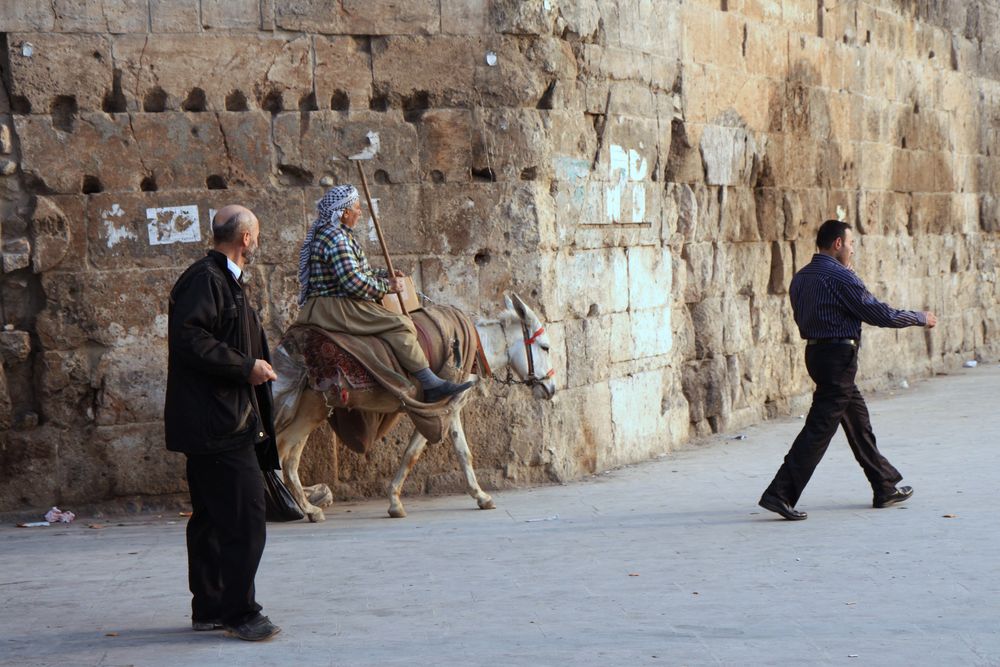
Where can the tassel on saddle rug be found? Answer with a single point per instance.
(364, 384)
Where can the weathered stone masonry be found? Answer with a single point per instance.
(648, 173)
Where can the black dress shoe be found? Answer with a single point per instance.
(444, 390)
(897, 496)
(206, 626)
(255, 630)
(775, 504)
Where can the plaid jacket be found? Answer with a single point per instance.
(338, 267)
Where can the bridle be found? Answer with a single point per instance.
(532, 380)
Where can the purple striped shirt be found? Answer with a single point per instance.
(830, 301)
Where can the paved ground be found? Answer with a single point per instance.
(666, 563)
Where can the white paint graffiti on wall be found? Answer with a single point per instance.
(114, 229)
(173, 224)
(620, 198)
(627, 171)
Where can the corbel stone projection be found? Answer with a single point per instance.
(648, 174)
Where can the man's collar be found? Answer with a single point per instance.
(223, 262)
(234, 269)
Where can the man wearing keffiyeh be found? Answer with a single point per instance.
(339, 291)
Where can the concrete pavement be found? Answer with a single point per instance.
(665, 563)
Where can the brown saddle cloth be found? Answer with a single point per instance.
(366, 387)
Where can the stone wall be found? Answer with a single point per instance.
(648, 173)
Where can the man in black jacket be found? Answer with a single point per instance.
(218, 412)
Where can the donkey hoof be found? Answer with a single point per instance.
(320, 495)
(397, 512)
(486, 503)
(316, 517)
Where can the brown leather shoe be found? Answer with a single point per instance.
(897, 496)
(775, 504)
(255, 630)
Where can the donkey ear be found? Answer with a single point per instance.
(519, 306)
(507, 302)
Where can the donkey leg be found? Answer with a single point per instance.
(483, 499)
(413, 452)
(292, 441)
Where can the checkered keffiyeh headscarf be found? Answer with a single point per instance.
(328, 210)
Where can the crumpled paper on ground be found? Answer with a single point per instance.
(56, 515)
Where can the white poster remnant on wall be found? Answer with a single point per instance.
(173, 224)
(627, 170)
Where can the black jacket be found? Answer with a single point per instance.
(213, 338)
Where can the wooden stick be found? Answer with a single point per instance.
(378, 232)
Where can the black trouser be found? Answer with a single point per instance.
(225, 535)
(836, 401)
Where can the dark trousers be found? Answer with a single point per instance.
(836, 401)
(225, 535)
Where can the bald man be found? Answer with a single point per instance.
(218, 413)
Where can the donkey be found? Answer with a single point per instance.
(515, 342)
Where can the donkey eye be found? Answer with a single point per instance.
(544, 346)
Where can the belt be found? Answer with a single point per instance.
(832, 341)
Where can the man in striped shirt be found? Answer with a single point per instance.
(829, 303)
(339, 291)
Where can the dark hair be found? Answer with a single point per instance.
(228, 230)
(829, 232)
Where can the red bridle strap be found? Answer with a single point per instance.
(534, 336)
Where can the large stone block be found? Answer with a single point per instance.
(107, 308)
(132, 381)
(589, 281)
(649, 277)
(111, 16)
(486, 218)
(406, 230)
(465, 17)
(227, 72)
(523, 17)
(61, 74)
(182, 151)
(708, 325)
(66, 387)
(589, 356)
(59, 239)
(537, 73)
(231, 14)
(339, 60)
(640, 426)
(445, 145)
(651, 332)
(417, 72)
(174, 15)
(99, 154)
(15, 346)
(319, 144)
(137, 462)
(29, 457)
(576, 436)
(359, 17)
(27, 16)
(453, 281)
(509, 145)
(724, 48)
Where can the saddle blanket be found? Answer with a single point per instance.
(364, 385)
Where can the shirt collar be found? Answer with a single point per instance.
(234, 269)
